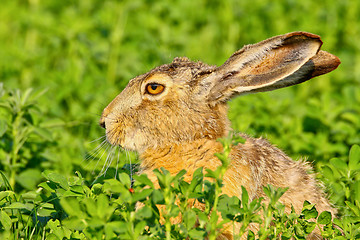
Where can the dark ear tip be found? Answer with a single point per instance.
(301, 36)
(324, 62)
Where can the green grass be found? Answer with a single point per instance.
(62, 62)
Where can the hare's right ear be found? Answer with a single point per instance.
(271, 64)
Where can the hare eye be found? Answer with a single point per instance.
(154, 88)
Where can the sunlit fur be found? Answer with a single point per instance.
(178, 128)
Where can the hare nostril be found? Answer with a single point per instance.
(102, 123)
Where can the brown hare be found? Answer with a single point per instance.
(173, 115)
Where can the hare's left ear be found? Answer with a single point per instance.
(277, 62)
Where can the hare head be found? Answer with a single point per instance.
(185, 101)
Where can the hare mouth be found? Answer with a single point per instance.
(124, 139)
(114, 137)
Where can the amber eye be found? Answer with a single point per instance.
(154, 88)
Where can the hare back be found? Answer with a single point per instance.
(269, 165)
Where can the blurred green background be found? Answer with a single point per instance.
(83, 53)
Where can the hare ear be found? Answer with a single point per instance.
(277, 62)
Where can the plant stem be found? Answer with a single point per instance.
(15, 149)
(168, 229)
(167, 196)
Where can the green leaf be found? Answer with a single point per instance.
(49, 186)
(355, 209)
(126, 196)
(338, 223)
(32, 195)
(97, 188)
(72, 207)
(157, 197)
(139, 228)
(90, 206)
(95, 223)
(143, 179)
(267, 190)
(185, 187)
(56, 228)
(3, 127)
(52, 236)
(29, 178)
(111, 185)
(5, 220)
(244, 197)
(44, 133)
(117, 226)
(328, 173)
(25, 96)
(212, 174)
(324, 218)
(340, 238)
(142, 195)
(57, 178)
(354, 158)
(351, 117)
(174, 211)
(251, 235)
(229, 207)
(46, 211)
(77, 189)
(339, 164)
(125, 179)
(4, 194)
(309, 211)
(197, 233)
(309, 227)
(189, 218)
(74, 223)
(103, 206)
(356, 190)
(163, 177)
(144, 212)
(16, 205)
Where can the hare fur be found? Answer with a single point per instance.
(173, 115)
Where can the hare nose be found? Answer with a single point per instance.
(104, 115)
(102, 122)
(102, 119)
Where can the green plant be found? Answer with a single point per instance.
(69, 209)
(23, 140)
(84, 53)
(343, 180)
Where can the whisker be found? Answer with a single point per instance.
(102, 172)
(130, 165)
(95, 151)
(97, 163)
(98, 139)
(96, 114)
(108, 160)
(115, 118)
(103, 104)
(117, 162)
(99, 115)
